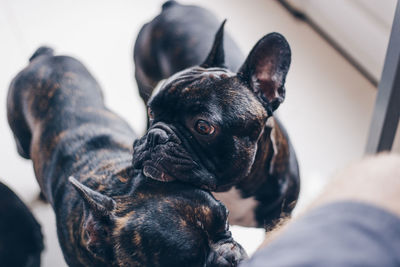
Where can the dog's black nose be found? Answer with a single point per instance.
(156, 136)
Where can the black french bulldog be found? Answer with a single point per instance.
(211, 121)
(21, 239)
(110, 215)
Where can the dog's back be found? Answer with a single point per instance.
(178, 38)
(57, 114)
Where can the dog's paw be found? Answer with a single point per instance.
(226, 254)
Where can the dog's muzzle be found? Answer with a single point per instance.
(163, 156)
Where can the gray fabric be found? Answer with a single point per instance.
(340, 234)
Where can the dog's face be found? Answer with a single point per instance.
(206, 121)
(157, 225)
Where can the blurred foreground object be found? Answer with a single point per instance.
(355, 222)
(21, 240)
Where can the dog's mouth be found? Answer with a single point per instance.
(165, 154)
(156, 174)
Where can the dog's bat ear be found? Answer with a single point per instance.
(216, 57)
(97, 221)
(265, 70)
(100, 205)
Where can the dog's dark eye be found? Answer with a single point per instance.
(204, 127)
(150, 113)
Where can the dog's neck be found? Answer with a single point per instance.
(265, 162)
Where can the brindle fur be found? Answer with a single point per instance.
(21, 240)
(173, 46)
(111, 215)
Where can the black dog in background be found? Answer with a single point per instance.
(111, 214)
(211, 120)
(21, 240)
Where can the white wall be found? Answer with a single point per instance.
(360, 27)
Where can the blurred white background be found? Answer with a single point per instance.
(327, 110)
(360, 27)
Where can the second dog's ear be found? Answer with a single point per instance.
(100, 205)
(216, 57)
(98, 220)
(265, 70)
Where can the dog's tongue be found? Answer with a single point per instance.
(156, 174)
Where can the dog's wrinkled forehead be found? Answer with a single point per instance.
(209, 87)
(188, 80)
